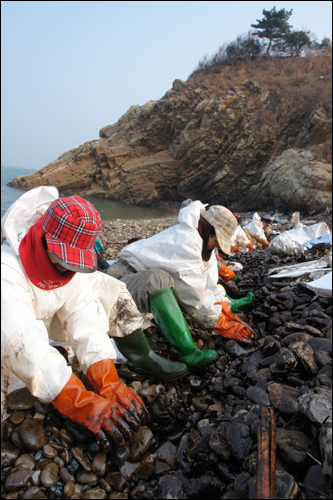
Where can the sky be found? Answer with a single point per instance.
(69, 68)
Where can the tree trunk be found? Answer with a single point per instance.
(269, 46)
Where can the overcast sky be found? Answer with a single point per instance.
(70, 68)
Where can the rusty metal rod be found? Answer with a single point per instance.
(266, 455)
(272, 453)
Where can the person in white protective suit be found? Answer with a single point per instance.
(49, 285)
(238, 237)
(180, 262)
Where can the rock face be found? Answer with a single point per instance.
(296, 178)
(206, 138)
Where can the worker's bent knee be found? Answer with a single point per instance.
(143, 283)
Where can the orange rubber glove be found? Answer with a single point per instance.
(250, 247)
(101, 416)
(226, 273)
(104, 378)
(234, 249)
(230, 326)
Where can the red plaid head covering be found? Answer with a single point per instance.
(71, 226)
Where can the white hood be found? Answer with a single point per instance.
(190, 215)
(175, 249)
(24, 212)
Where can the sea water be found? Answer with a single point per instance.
(109, 210)
(9, 194)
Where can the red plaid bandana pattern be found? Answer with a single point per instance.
(71, 227)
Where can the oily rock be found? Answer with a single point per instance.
(293, 445)
(283, 397)
(32, 434)
(315, 407)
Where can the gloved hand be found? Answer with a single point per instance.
(234, 249)
(104, 378)
(250, 247)
(226, 273)
(232, 327)
(101, 416)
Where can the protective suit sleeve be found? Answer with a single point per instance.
(87, 323)
(199, 301)
(25, 349)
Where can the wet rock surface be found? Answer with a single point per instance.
(202, 437)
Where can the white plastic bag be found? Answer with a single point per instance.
(256, 228)
(236, 267)
(322, 286)
(326, 238)
(291, 271)
(291, 241)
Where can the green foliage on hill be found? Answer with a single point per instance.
(273, 26)
(273, 36)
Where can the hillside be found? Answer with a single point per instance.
(258, 133)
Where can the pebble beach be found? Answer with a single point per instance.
(202, 439)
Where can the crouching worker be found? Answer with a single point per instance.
(48, 283)
(180, 263)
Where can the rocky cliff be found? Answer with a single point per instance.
(260, 139)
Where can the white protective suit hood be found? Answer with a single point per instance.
(190, 215)
(24, 212)
(155, 253)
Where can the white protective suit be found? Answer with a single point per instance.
(88, 309)
(177, 250)
(240, 240)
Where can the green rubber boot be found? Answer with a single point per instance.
(240, 304)
(143, 360)
(236, 278)
(171, 321)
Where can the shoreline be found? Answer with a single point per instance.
(115, 234)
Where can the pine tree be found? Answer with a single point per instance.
(294, 41)
(273, 26)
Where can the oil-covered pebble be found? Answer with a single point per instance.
(81, 458)
(9, 454)
(86, 477)
(49, 475)
(49, 451)
(17, 480)
(17, 417)
(32, 434)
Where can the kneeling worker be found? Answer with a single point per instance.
(48, 281)
(180, 263)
